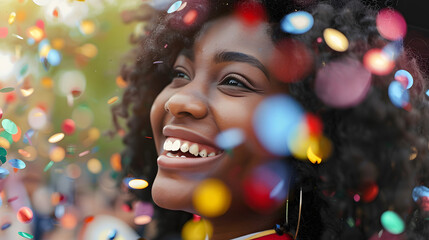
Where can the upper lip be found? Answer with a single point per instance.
(187, 134)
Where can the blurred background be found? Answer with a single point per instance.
(59, 78)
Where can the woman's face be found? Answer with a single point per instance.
(217, 85)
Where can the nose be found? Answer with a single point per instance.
(187, 104)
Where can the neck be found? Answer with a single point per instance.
(240, 224)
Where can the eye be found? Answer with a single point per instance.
(235, 81)
(180, 74)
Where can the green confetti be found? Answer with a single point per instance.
(25, 235)
(3, 159)
(7, 89)
(3, 152)
(9, 126)
(392, 222)
(48, 166)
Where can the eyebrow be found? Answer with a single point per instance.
(240, 57)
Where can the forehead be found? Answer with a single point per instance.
(231, 34)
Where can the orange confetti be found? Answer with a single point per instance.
(112, 100)
(55, 13)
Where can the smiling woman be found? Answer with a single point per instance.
(273, 125)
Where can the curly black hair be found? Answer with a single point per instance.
(372, 141)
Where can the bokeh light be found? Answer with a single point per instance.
(342, 83)
(336, 40)
(197, 230)
(398, 94)
(138, 183)
(211, 198)
(405, 78)
(297, 22)
(392, 222)
(24, 215)
(143, 212)
(230, 138)
(267, 186)
(275, 120)
(391, 24)
(57, 154)
(378, 62)
(94, 165)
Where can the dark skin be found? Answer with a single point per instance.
(217, 86)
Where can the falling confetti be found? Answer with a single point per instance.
(7, 89)
(392, 222)
(211, 198)
(297, 22)
(138, 184)
(12, 17)
(112, 100)
(25, 235)
(56, 137)
(336, 40)
(48, 166)
(24, 215)
(391, 24)
(17, 163)
(174, 7)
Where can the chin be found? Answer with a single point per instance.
(172, 193)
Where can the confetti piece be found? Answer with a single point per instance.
(25, 235)
(12, 199)
(190, 17)
(7, 89)
(427, 93)
(230, 138)
(48, 166)
(17, 163)
(143, 212)
(54, 57)
(112, 234)
(56, 137)
(174, 7)
(398, 94)
(3, 32)
(3, 173)
(392, 222)
(112, 100)
(297, 22)
(336, 40)
(378, 62)
(158, 62)
(3, 152)
(68, 126)
(391, 24)
(24, 215)
(17, 36)
(57, 154)
(9, 126)
(94, 166)
(405, 78)
(12, 17)
(84, 153)
(24, 153)
(211, 198)
(138, 184)
(5, 226)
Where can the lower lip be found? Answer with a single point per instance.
(188, 164)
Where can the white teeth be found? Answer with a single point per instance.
(194, 149)
(168, 145)
(185, 147)
(211, 154)
(203, 153)
(170, 154)
(177, 156)
(175, 146)
(183, 156)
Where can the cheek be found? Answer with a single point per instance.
(157, 114)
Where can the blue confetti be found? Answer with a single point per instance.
(297, 22)
(230, 138)
(17, 163)
(3, 173)
(420, 191)
(276, 120)
(398, 94)
(174, 7)
(400, 74)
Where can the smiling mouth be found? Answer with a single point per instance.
(175, 147)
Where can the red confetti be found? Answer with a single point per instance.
(3, 32)
(250, 12)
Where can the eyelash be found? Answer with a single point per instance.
(239, 80)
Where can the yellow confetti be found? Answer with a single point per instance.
(113, 100)
(56, 138)
(12, 17)
(336, 40)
